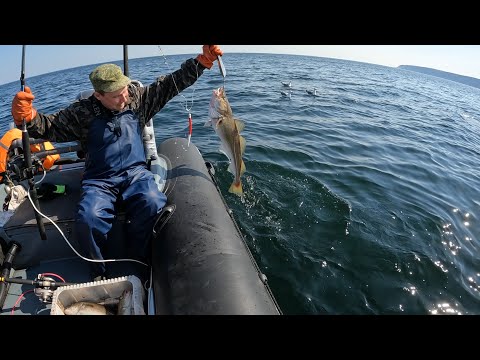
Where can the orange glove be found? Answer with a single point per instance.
(210, 54)
(22, 106)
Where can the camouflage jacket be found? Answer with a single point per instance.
(72, 123)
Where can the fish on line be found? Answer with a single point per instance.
(228, 129)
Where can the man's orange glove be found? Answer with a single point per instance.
(210, 54)
(22, 106)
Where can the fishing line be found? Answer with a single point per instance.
(187, 108)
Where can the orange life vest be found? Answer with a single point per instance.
(14, 134)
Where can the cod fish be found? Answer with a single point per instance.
(228, 128)
(85, 308)
(125, 304)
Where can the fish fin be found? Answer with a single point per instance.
(240, 124)
(224, 151)
(243, 144)
(236, 188)
(243, 168)
(208, 123)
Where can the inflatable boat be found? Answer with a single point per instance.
(200, 263)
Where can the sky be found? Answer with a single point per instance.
(41, 59)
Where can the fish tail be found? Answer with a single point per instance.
(236, 188)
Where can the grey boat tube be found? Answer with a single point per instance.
(201, 263)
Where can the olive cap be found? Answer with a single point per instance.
(108, 78)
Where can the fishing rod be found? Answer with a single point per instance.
(27, 156)
(125, 60)
(150, 156)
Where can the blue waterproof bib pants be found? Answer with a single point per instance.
(115, 169)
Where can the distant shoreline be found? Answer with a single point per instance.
(444, 74)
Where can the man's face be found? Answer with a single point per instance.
(115, 100)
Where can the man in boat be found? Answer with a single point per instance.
(109, 127)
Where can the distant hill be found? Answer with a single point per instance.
(443, 74)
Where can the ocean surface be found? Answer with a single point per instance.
(360, 200)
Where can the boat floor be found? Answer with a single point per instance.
(21, 300)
